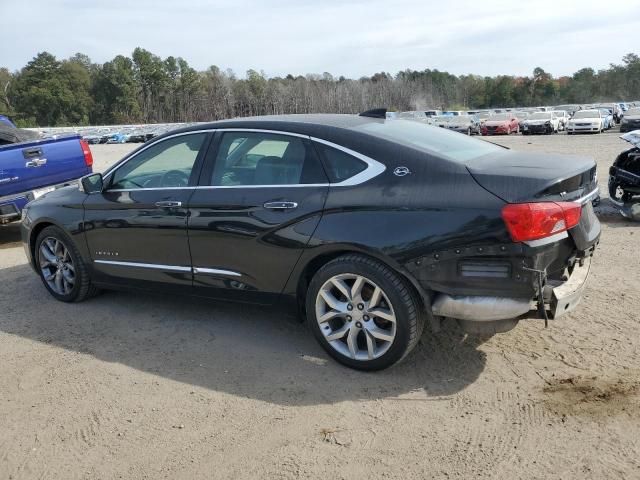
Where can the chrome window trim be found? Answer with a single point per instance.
(374, 168)
(148, 189)
(259, 130)
(173, 268)
(291, 185)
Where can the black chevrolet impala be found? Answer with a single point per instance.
(371, 227)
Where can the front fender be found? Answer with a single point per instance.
(64, 210)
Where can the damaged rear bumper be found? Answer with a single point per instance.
(566, 296)
(559, 298)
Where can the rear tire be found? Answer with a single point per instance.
(362, 313)
(61, 267)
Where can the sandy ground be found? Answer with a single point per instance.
(131, 386)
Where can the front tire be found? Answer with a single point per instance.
(362, 313)
(61, 267)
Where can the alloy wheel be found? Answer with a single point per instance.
(57, 266)
(355, 316)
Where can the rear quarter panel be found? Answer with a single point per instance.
(401, 220)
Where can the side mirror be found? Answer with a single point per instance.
(91, 183)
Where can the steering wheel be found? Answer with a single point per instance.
(174, 178)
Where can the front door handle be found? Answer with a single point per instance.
(280, 205)
(36, 162)
(168, 204)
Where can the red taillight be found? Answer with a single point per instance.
(86, 151)
(531, 221)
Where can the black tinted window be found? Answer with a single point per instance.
(254, 158)
(340, 165)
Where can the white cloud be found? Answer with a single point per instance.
(351, 38)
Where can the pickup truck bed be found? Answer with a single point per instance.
(30, 169)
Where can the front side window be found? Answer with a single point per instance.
(168, 163)
(254, 158)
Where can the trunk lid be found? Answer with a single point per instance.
(524, 177)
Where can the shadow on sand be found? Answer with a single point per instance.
(238, 349)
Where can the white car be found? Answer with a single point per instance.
(563, 118)
(589, 121)
(541, 122)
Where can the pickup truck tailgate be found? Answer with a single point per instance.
(32, 165)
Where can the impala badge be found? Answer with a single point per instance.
(401, 171)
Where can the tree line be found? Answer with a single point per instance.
(145, 88)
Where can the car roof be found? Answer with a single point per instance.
(294, 122)
(337, 128)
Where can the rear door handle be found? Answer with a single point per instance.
(280, 205)
(36, 162)
(168, 204)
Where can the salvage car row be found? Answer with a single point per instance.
(594, 118)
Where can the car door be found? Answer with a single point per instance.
(136, 228)
(259, 201)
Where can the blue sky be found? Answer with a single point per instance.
(343, 37)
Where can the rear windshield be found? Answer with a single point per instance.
(429, 139)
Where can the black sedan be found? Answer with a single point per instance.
(467, 124)
(630, 121)
(372, 228)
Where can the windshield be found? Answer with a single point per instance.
(632, 111)
(499, 117)
(586, 114)
(540, 116)
(433, 140)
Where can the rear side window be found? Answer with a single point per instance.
(255, 158)
(340, 165)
